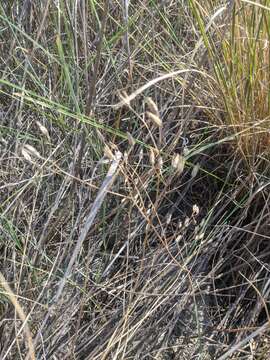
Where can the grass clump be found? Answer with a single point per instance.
(238, 48)
(129, 226)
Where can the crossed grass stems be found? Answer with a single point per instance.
(162, 234)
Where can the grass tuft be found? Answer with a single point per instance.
(134, 179)
(237, 43)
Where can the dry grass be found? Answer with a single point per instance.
(130, 227)
(238, 49)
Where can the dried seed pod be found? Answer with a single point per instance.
(179, 238)
(130, 139)
(178, 163)
(32, 150)
(195, 170)
(200, 236)
(43, 130)
(154, 118)
(152, 157)
(152, 106)
(160, 163)
(26, 155)
(168, 218)
(185, 151)
(186, 222)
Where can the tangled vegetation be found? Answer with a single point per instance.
(134, 179)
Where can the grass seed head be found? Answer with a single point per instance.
(26, 155)
(152, 157)
(32, 150)
(152, 106)
(160, 163)
(130, 139)
(43, 130)
(195, 170)
(178, 163)
(154, 118)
